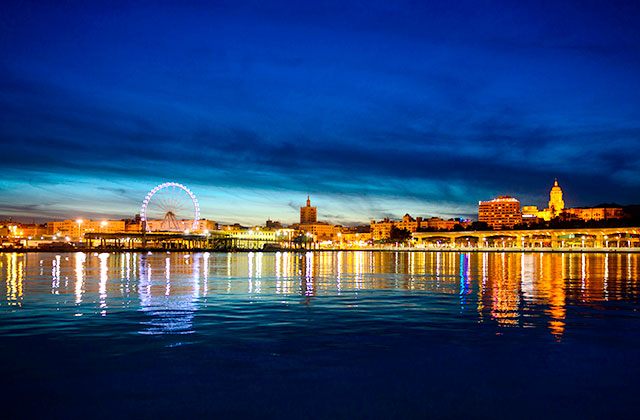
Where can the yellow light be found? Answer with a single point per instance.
(104, 223)
(79, 221)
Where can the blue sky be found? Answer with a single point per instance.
(373, 108)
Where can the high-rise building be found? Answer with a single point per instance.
(308, 214)
(501, 212)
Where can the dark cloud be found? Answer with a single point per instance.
(397, 102)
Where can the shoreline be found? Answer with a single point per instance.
(302, 250)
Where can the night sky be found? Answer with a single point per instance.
(373, 108)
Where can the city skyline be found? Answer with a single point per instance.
(530, 209)
(374, 113)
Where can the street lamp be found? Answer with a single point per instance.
(79, 222)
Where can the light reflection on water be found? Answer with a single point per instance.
(167, 292)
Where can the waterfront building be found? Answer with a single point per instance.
(409, 223)
(593, 213)
(556, 203)
(183, 225)
(133, 226)
(22, 230)
(321, 231)
(74, 229)
(5, 230)
(531, 214)
(582, 237)
(273, 224)
(556, 208)
(32, 230)
(355, 238)
(501, 212)
(308, 214)
(263, 235)
(382, 230)
(438, 223)
(233, 227)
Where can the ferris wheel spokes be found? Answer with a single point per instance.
(168, 202)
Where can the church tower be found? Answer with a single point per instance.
(308, 214)
(556, 203)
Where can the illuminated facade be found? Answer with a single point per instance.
(269, 235)
(556, 208)
(594, 213)
(356, 238)
(531, 214)
(22, 230)
(321, 231)
(382, 230)
(556, 203)
(308, 214)
(499, 213)
(442, 224)
(202, 225)
(76, 228)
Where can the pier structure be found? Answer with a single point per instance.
(214, 240)
(554, 239)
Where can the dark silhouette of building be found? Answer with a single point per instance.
(308, 214)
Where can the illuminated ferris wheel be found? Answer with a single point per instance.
(168, 206)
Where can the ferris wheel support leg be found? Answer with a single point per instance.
(144, 234)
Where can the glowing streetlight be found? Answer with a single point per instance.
(79, 222)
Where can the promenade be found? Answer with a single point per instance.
(543, 239)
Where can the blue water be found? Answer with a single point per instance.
(320, 335)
